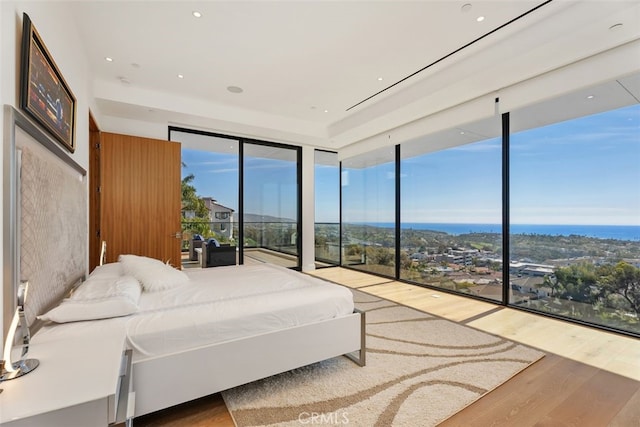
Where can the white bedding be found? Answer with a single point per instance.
(226, 303)
(226, 283)
(217, 305)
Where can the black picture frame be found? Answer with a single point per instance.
(44, 94)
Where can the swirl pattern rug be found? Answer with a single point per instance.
(421, 369)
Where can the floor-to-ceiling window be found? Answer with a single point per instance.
(210, 168)
(327, 208)
(451, 210)
(538, 208)
(368, 212)
(240, 192)
(575, 213)
(271, 203)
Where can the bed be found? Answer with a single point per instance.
(224, 327)
(45, 193)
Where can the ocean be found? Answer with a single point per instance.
(617, 232)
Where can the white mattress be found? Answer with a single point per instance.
(226, 303)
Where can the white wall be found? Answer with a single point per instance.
(2, 49)
(54, 22)
(57, 28)
(308, 209)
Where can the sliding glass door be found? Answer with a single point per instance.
(271, 203)
(242, 193)
(210, 172)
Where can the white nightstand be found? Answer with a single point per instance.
(83, 379)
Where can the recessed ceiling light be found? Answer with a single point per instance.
(108, 59)
(235, 89)
(461, 132)
(480, 18)
(326, 111)
(590, 97)
(124, 80)
(379, 79)
(180, 76)
(135, 65)
(197, 14)
(466, 7)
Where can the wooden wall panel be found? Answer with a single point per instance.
(140, 197)
(94, 196)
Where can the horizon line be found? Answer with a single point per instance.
(484, 223)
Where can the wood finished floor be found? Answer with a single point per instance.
(588, 378)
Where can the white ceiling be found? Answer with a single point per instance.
(296, 59)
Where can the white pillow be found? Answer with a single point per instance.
(152, 273)
(111, 270)
(98, 298)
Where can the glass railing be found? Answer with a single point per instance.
(196, 232)
(276, 236)
(223, 232)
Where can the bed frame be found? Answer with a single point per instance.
(169, 380)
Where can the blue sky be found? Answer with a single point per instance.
(327, 187)
(269, 183)
(216, 175)
(583, 171)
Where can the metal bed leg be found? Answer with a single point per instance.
(361, 359)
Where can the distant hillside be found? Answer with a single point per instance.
(265, 218)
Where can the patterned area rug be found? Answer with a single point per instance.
(421, 369)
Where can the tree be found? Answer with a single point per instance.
(379, 255)
(190, 200)
(552, 283)
(406, 263)
(623, 280)
(495, 266)
(200, 226)
(200, 223)
(576, 282)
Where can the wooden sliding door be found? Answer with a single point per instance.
(140, 196)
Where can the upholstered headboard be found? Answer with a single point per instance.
(45, 217)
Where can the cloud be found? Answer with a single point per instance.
(583, 215)
(217, 171)
(481, 147)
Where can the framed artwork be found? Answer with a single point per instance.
(44, 94)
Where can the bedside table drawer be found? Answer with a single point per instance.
(119, 406)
